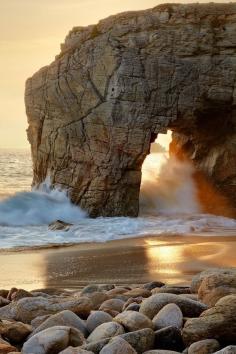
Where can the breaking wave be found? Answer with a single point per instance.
(39, 207)
(168, 207)
(169, 189)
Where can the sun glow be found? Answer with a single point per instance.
(155, 160)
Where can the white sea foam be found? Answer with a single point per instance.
(168, 187)
(24, 217)
(38, 207)
(107, 229)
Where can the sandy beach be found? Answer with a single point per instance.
(172, 259)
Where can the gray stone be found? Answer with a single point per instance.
(159, 351)
(73, 350)
(59, 225)
(198, 278)
(206, 346)
(118, 346)
(25, 310)
(171, 290)
(133, 307)
(216, 286)
(105, 330)
(140, 340)
(37, 321)
(53, 340)
(96, 318)
(169, 315)
(63, 318)
(153, 285)
(219, 322)
(112, 304)
(96, 346)
(152, 305)
(133, 321)
(91, 288)
(231, 349)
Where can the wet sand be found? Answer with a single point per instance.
(172, 259)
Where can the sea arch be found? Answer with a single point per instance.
(95, 110)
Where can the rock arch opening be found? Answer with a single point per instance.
(168, 184)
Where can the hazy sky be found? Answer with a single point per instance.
(30, 35)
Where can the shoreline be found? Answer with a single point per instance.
(92, 244)
(172, 259)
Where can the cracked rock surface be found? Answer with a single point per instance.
(94, 111)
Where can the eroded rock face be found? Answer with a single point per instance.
(94, 111)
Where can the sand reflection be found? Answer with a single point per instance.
(175, 260)
(172, 259)
(25, 270)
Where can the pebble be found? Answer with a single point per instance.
(153, 318)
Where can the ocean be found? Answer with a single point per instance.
(168, 206)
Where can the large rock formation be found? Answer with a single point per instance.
(95, 110)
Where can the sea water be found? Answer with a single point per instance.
(168, 206)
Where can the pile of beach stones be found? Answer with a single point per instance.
(151, 318)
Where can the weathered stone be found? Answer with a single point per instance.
(91, 288)
(169, 338)
(138, 292)
(15, 332)
(4, 293)
(116, 291)
(111, 312)
(153, 285)
(106, 287)
(112, 304)
(216, 286)
(37, 321)
(96, 346)
(159, 351)
(25, 310)
(117, 84)
(63, 318)
(133, 307)
(140, 340)
(206, 346)
(171, 290)
(59, 225)
(132, 300)
(118, 346)
(169, 315)
(53, 340)
(73, 350)
(105, 330)
(133, 321)
(7, 348)
(3, 301)
(97, 298)
(191, 296)
(198, 278)
(51, 292)
(17, 294)
(231, 349)
(152, 305)
(219, 322)
(96, 318)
